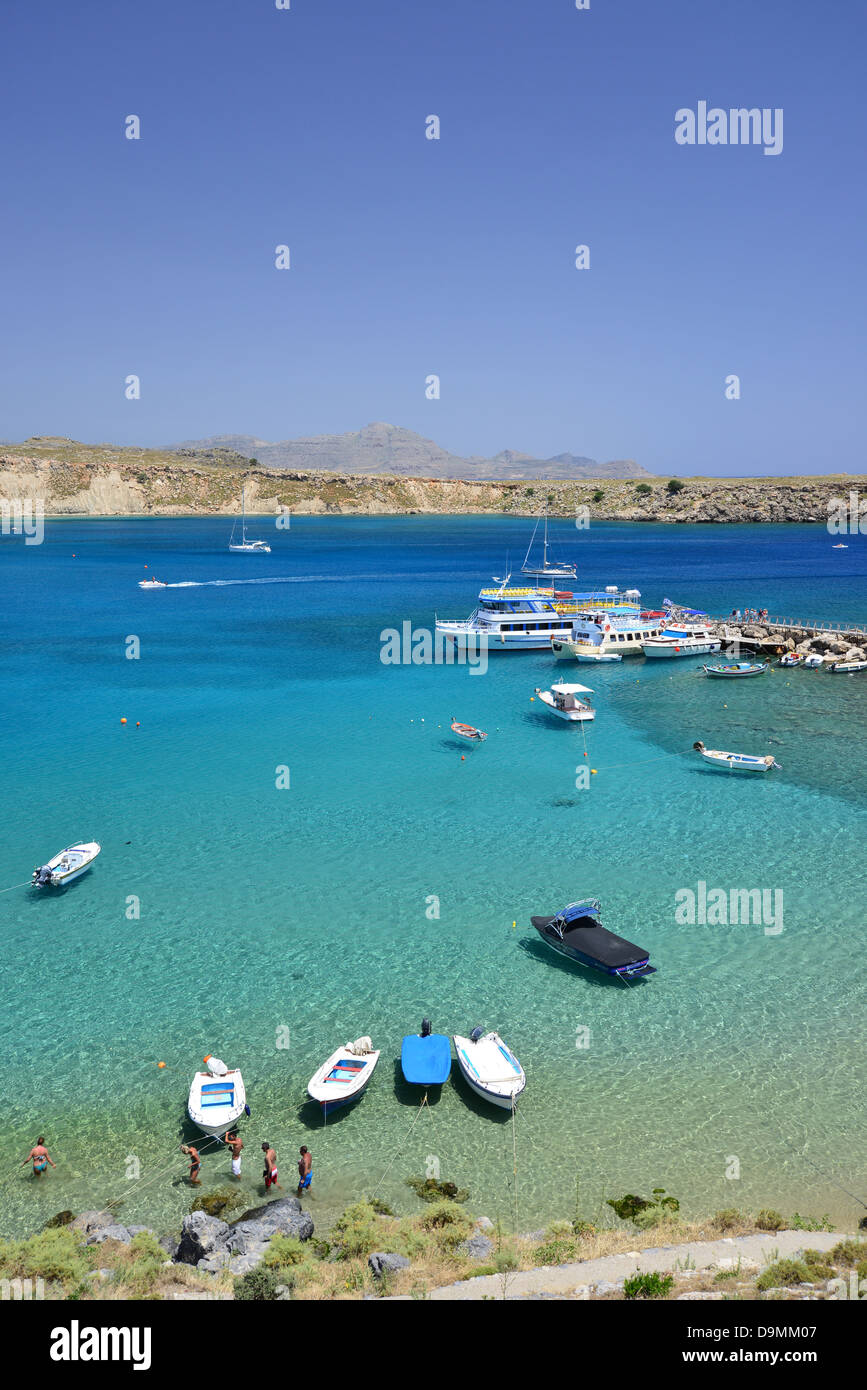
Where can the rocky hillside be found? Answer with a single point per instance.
(382, 448)
(104, 480)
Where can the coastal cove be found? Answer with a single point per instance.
(304, 911)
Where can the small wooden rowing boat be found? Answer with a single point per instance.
(736, 669)
(735, 762)
(343, 1077)
(489, 1068)
(467, 732)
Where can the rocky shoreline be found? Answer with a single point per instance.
(73, 480)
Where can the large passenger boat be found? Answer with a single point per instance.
(614, 626)
(525, 619)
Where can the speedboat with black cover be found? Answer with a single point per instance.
(578, 934)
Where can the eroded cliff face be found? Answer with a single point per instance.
(103, 481)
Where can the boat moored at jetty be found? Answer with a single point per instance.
(489, 1068)
(66, 866)
(525, 619)
(565, 701)
(426, 1057)
(692, 639)
(736, 762)
(736, 669)
(607, 627)
(578, 934)
(344, 1076)
(842, 668)
(217, 1097)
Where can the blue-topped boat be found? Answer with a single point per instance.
(736, 669)
(426, 1057)
(577, 933)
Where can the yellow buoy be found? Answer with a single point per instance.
(123, 721)
(593, 771)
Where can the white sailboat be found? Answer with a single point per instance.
(259, 547)
(546, 570)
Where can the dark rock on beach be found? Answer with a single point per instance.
(201, 1236)
(382, 1263)
(212, 1244)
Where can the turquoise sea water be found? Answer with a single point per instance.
(309, 909)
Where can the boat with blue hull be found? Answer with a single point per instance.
(578, 934)
(426, 1057)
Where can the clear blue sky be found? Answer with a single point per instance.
(454, 257)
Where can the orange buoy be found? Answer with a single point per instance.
(160, 1065)
(463, 757)
(138, 723)
(123, 721)
(207, 1059)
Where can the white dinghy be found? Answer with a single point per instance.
(563, 701)
(489, 1068)
(217, 1097)
(344, 1076)
(736, 762)
(69, 864)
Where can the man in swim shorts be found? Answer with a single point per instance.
(236, 1145)
(305, 1169)
(195, 1164)
(39, 1157)
(270, 1173)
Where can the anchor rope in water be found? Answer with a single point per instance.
(401, 1147)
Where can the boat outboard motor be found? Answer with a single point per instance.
(476, 1034)
(41, 876)
(426, 1028)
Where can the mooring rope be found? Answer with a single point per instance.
(400, 1149)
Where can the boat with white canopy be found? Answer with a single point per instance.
(565, 701)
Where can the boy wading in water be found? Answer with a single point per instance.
(270, 1173)
(195, 1164)
(39, 1157)
(305, 1169)
(236, 1145)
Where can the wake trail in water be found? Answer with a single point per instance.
(225, 583)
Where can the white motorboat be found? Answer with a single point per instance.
(689, 640)
(344, 1076)
(152, 584)
(69, 864)
(813, 662)
(249, 547)
(489, 1068)
(843, 668)
(586, 651)
(563, 701)
(217, 1097)
(736, 762)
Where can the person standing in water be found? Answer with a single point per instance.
(270, 1173)
(39, 1157)
(195, 1164)
(236, 1145)
(305, 1169)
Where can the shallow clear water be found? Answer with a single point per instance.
(309, 908)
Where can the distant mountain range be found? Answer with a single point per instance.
(381, 448)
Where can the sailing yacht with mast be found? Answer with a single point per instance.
(259, 547)
(546, 570)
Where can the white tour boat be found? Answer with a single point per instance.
(608, 627)
(345, 1074)
(250, 547)
(489, 1068)
(66, 866)
(563, 701)
(736, 762)
(217, 1097)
